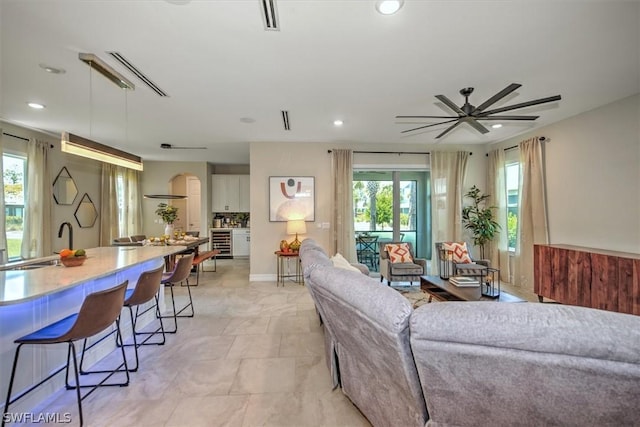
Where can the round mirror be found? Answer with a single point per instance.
(64, 188)
(86, 213)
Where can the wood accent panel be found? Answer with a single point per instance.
(629, 286)
(587, 277)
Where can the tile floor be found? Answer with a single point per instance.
(252, 356)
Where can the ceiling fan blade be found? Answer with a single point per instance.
(506, 117)
(427, 117)
(477, 126)
(428, 126)
(498, 96)
(522, 105)
(449, 103)
(449, 129)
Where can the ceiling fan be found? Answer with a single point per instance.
(470, 114)
(173, 147)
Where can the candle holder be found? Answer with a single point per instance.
(446, 264)
(490, 283)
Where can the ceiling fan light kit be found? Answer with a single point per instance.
(470, 114)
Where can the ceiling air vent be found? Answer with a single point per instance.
(129, 66)
(270, 15)
(285, 120)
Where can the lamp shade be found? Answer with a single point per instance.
(296, 226)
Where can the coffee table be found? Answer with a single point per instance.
(442, 290)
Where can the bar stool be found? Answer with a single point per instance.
(146, 289)
(99, 311)
(180, 273)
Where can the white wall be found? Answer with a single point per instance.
(311, 159)
(156, 179)
(593, 177)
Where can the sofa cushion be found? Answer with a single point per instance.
(547, 364)
(459, 251)
(340, 262)
(398, 252)
(406, 269)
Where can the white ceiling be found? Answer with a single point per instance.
(330, 60)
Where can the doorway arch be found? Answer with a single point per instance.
(189, 209)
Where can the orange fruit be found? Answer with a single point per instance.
(65, 253)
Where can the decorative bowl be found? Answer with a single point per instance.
(73, 261)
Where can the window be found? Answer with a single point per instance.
(393, 203)
(14, 174)
(513, 184)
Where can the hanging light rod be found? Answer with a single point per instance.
(74, 144)
(103, 68)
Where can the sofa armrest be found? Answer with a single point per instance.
(422, 262)
(485, 262)
(363, 268)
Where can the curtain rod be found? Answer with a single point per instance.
(392, 152)
(20, 137)
(541, 139)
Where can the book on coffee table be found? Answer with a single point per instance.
(463, 281)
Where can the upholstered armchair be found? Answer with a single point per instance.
(402, 266)
(462, 261)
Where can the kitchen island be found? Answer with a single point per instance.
(34, 297)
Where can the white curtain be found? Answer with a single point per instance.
(532, 216)
(36, 236)
(108, 205)
(499, 246)
(448, 170)
(343, 234)
(131, 216)
(3, 223)
(119, 183)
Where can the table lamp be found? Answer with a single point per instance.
(295, 226)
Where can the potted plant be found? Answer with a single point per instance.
(168, 214)
(478, 218)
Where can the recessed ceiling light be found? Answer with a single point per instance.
(389, 7)
(496, 126)
(338, 122)
(36, 105)
(52, 70)
(247, 120)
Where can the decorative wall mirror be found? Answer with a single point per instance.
(64, 188)
(86, 213)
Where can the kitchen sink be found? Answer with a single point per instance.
(29, 265)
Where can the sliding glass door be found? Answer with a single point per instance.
(394, 206)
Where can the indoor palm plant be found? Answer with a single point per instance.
(478, 218)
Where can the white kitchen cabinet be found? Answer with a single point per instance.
(241, 242)
(230, 193)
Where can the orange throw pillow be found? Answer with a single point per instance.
(459, 251)
(398, 252)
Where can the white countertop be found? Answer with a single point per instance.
(21, 285)
(229, 228)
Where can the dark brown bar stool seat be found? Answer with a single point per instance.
(98, 312)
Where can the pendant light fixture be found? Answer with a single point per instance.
(74, 144)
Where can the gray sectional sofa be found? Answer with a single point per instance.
(473, 363)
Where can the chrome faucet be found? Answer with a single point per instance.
(61, 229)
